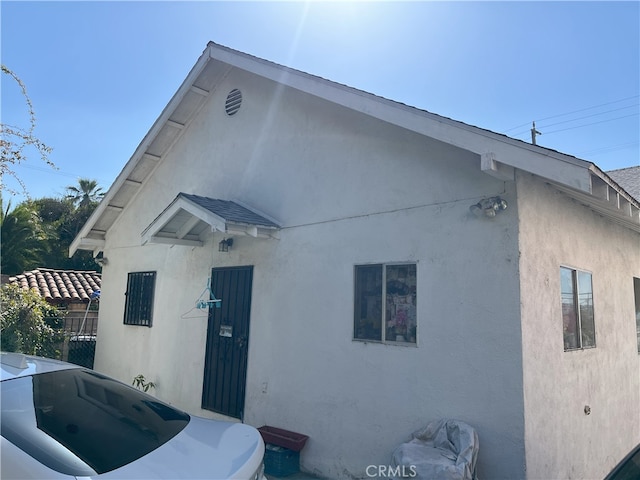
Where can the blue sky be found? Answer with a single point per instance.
(100, 73)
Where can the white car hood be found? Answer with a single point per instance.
(204, 449)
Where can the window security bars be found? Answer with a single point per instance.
(139, 298)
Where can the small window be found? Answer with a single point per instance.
(385, 303)
(577, 309)
(138, 308)
(636, 293)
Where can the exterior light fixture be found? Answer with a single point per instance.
(100, 259)
(225, 245)
(489, 207)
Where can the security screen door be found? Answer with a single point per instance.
(225, 368)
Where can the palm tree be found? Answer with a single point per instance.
(86, 193)
(24, 240)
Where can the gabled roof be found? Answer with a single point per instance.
(189, 217)
(499, 155)
(629, 179)
(60, 286)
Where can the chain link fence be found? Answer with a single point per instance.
(80, 338)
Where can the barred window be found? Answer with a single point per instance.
(138, 308)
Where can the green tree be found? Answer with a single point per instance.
(38, 233)
(62, 221)
(23, 238)
(85, 193)
(28, 323)
(14, 140)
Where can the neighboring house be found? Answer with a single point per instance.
(288, 251)
(70, 291)
(629, 179)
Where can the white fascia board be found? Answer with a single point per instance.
(507, 151)
(175, 241)
(93, 244)
(608, 199)
(217, 222)
(141, 149)
(149, 235)
(255, 231)
(612, 184)
(159, 222)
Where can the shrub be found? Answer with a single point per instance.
(28, 323)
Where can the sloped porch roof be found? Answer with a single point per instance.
(189, 218)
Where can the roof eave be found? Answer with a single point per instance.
(532, 158)
(83, 241)
(498, 154)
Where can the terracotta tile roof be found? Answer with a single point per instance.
(60, 286)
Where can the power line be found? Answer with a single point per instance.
(574, 111)
(55, 171)
(589, 116)
(611, 148)
(593, 123)
(576, 126)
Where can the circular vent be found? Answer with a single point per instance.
(234, 99)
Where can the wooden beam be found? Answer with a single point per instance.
(151, 156)
(187, 226)
(175, 124)
(199, 91)
(175, 241)
(499, 170)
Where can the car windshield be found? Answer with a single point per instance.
(79, 422)
(628, 469)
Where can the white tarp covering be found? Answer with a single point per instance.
(443, 450)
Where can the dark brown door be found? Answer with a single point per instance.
(225, 368)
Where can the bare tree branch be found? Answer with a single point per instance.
(13, 141)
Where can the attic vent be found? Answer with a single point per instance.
(234, 99)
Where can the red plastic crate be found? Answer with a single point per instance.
(283, 438)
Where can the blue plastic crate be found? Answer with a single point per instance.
(280, 461)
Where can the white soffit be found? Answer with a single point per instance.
(190, 218)
(167, 129)
(499, 155)
(608, 199)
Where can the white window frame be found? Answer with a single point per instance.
(383, 339)
(636, 296)
(577, 310)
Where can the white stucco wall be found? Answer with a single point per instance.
(347, 190)
(561, 441)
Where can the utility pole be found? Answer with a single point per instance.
(534, 132)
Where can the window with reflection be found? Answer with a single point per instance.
(578, 322)
(385, 303)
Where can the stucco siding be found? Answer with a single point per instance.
(346, 190)
(562, 441)
(360, 400)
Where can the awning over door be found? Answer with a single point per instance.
(190, 218)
